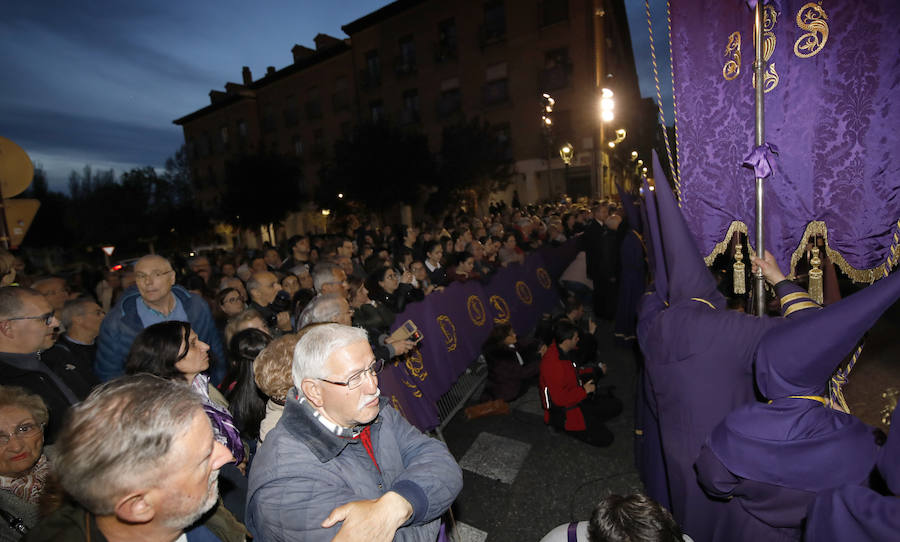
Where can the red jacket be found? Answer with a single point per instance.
(560, 381)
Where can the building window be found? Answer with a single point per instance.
(554, 11)
(496, 89)
(298, 146)
(242, 129)
(405, 63)
(340, 100)
(410, 107)
(371, 75)
(450, 100)
(557, 68)
(268, 118)
(291, 115)
(223, 134)
(502, 133)
(313, 104)
(376, 110)
(445, 49)
(494, 27)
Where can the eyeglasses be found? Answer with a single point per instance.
(47, 318)
(356, 379)
(153, 275)
(26, 430)
(233, 300)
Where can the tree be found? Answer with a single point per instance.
(474, 156)
(381, 165)
(260, 189)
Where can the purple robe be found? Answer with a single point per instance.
(648, 453)
(631, 286)
(853, 513)
(700, 365)
(772, 459)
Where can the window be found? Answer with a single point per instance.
(223, 135)
(242, 129)
(554, 11)
(371, 76)
(406, 62)
(557, 67)
(268, 118)
(502, 133)
(496, 89)
(494, 27)
(291, 116)
(313, 104)
(376, 110)
(298, 146)
(446, 45)
(450, 100)
(410, 107)
(340, 100)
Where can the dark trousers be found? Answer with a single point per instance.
(597, 410)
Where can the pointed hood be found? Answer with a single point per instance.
(632, 209)
(688, 275)
(798, 356)
(654, 237)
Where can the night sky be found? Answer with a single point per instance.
(99, 82)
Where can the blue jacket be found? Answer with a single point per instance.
(123, 324)
(302, 472)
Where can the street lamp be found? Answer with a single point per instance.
(607, 114)
(566, 152)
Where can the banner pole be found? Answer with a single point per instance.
(759, 70)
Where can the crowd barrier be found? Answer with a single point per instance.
(456, 322)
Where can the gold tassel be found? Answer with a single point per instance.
(815, 277)
(740, 286)
(890, 395)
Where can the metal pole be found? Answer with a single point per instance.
(759, 68)
(599, 44)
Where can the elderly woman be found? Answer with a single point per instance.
(23, 466)
(272, 372)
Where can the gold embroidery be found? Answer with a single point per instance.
(701, 300)
(544, 278)
(502, 309)
(810, 397)
(732, 68)
(794, 297)
(397, 406)
(524, 292)
(639, 432)
(722, 246)
(800, 306)
(415, 365)
(811, 17)
(449, 331)
(476, 310)
(770, 80)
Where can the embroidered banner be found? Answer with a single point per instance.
(832, 109)
(456, 322)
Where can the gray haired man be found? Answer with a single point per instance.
(139, 460)
(343, 463)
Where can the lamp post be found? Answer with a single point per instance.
(607, 114)
(547, 103)
(566, 152)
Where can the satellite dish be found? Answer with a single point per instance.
(16, 169)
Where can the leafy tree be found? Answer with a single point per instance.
(474, 156)
(381, 165)
(260, 189)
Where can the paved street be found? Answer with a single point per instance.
(521, 480)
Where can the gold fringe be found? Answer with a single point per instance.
(815, 277)
(813, 228)
(740, 286)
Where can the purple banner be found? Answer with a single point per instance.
(831, 109)
(456, 322)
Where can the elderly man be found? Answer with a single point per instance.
(342, 462)
(28, 358)
(81, 318)
(139, 460)
(329, 278)
(264, 288)
(155, 300)
(326, 308)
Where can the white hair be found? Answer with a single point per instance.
(317, 345)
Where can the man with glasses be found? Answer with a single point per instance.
(28, 358)
(341, 459)
(156, 299)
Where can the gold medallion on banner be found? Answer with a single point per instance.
(415, 365)
(476, 310)
(502, 309)
(544, 278)
(732, 68)
(449, 331)
(811, 17)
(524, 292)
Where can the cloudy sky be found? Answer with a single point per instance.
(99, 82)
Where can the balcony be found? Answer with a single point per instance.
(489, 34)
(554, 78)
(405, 66)
(369, 80)
(444, 52)
(495, 93)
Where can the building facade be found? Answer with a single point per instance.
(429, 63)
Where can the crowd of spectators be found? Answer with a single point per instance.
(226, 324)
